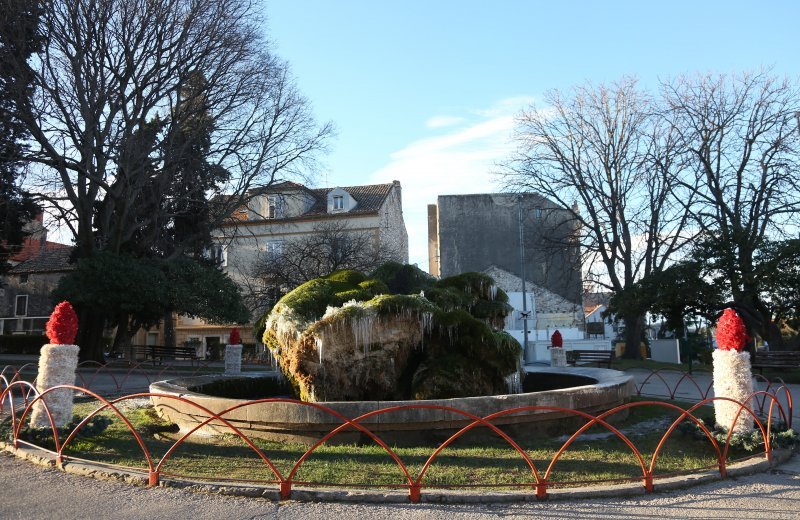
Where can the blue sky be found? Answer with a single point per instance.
(425, 92)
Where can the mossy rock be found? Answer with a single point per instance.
(452, 321)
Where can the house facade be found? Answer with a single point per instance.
(283, 212)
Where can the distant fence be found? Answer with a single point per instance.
(669, 382)
(540, 475)
(108, 379)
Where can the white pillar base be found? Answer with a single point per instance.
(733, 378)
(57, 365)
(558, 358)
(233, 359)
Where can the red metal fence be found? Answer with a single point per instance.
(540, 477)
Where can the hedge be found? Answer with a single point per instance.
(22, 343)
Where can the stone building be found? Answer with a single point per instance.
(474, 232)
(289, 211)
(25, 302)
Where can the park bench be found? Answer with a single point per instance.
(601, 357)
(158, 353)
(776, 359)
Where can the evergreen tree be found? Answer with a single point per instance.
(189, 174)
(19, 38)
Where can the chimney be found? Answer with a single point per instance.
(399, 192)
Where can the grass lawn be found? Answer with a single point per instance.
(591, 458)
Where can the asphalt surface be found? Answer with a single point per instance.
(33, 492)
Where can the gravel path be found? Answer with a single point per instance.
(33, 492)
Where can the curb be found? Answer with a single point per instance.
(107, 472)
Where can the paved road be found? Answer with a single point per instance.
(32, 492)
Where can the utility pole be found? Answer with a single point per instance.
(525, 315)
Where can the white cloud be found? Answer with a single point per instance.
(459, 162)
(443, 121)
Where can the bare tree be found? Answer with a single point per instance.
(739, 134)
(604, 154)
(115, 70)
(330, 246)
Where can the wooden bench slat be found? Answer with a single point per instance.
(593, 356)
(777, 359)
(159, 352)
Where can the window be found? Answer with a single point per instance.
(275, 247)
(275, 206)
(23, 278)
(218, 254)
(338, 202)
(538, 212)
(21, 308)
(152, 338)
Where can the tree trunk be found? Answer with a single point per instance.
(634, 325)
(122, 340)
(90, 336)
(169, 330)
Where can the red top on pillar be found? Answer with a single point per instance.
(62, 327)
(234, 338)
(731, 332)
(556, 340)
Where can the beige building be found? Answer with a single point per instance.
(289, 211)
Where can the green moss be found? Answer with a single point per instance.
(348, 313)
(403, 279)
(451, 298)
(310, 300)
(358, 295)
(374, 287)
(491, 310)
(501, 296)
(475, 283)
(387, 304)
(348, 276)
(507, 353)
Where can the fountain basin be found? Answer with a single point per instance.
(592, 391)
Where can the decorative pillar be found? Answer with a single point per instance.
(57, 365)
(733, 377)
(233, 353)
(558, 357)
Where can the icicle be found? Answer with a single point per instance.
(362, 331)
(319, 341)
